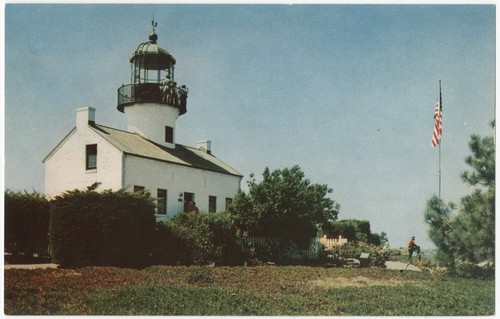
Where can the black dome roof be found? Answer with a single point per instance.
(152, 55)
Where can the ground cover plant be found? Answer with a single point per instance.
(262, 290)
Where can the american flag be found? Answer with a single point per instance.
(438, 124)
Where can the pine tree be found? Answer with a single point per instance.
(468, 238)
(475, 225)
(438, 216)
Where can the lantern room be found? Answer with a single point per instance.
(152, 78)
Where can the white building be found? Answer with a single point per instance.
(145, 156)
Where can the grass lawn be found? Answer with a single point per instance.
(265, 290)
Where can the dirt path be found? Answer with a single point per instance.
(395, 265)
(31, 266)
(359, 281)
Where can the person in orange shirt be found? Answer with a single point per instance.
(411, 248)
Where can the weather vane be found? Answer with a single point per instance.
(154, 23)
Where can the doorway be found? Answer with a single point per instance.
(188, 199)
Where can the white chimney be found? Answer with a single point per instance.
(205, 145)
(84, 116)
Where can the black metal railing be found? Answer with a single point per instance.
(151, 93)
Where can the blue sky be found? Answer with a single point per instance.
(347, 92)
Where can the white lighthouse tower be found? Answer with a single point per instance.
(153, 101)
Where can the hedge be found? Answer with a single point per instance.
(26, 223)
(108, 228)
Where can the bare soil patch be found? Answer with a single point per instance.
(358, 281)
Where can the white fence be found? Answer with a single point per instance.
(332, 242)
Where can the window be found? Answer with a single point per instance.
(212, 204)
(169, 134)
(138, 189)
(228, 202)
(161, 207)
(91, 156)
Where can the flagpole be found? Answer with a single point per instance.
(441, 137)
(439, 170)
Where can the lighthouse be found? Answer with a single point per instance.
(145, 156)
(153, 100)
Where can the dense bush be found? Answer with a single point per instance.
(167, 247)
(201, 238)
(197, 238)
(285, 205)
(225, 239)
(182, 240)
(26, 223)
(108, 228)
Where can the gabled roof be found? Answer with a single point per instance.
(136, 145)
(59, 144)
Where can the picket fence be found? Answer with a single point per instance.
(332, 242)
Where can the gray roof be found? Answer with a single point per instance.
(136, 145)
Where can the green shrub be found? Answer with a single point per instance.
(185, 239)
(26, 223)
(197, 238)
(108, 228)
(224, 239)
(167, 247)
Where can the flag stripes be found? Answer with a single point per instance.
(438, 124)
